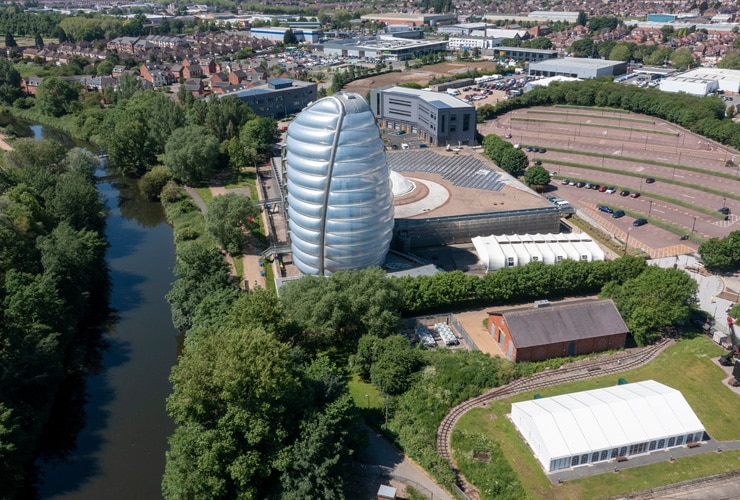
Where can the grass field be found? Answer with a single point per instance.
(685, 366)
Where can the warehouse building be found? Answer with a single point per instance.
(703, 81)
(555, 331)
(578, 67)
(388, 49)
(410, 19)
(612, 423)
(277, 34)
(511, 250)
(439, 118)
(520, 54)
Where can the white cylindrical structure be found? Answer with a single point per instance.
(340, 204)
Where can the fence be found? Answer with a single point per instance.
(463, 333)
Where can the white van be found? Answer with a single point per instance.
(404, 146)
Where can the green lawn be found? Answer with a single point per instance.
(685, 366)
(205, 194)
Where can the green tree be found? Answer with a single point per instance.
(254, 142)
(620, 52)
(654, 301)
(289, 38)
(722, 254)
(682, 58)
(730, 61)
(582, 18)
(192, 154)
(130, 147)
(513, 161)
(10, 82)
(394, 365)
(128, 85)
(229, 219)
(55, 96)
(152, 182)
(537, 178)
(10, 40)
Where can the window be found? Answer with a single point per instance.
(595, 457)
(653, 444)
(574, 461)
(510, 261)
(584, 459)
(679, 440)
(442, 126)
(671, 442)
(622, 451)
(584, 257)
(466, 123)
(661, 444)
(535, 258)
(604, 454)
(615, 452)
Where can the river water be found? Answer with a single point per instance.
(120, 451)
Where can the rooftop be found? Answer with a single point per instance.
(437, 99)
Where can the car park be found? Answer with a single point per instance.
(649, 180)
(634, 195)
(605, 209)
(610, 190)
(639, 222)
(618, 213)
(624, 192)
(602, 189)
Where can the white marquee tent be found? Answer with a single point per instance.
(603, 424)
(509, 250)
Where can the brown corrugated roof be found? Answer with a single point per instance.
(564, 323)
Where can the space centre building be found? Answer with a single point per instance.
(340, 201)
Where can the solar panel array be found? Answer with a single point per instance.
(461, 170)
(444, 331)
(425, 336)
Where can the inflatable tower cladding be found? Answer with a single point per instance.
(340, 204)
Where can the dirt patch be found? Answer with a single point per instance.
(420, 76)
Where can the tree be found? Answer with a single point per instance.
(722, 254)
(254, 142)
(130, 147)
(730, 61)
(289, 38)
(513, 161)
(537, 177)
(620, 52)
(394, 365)
(10, 40)
(38, 40)
(582, 18)
(152, 182)
(229, 219)
(54, 96)
(128, 85)
(682, 58)
(10, 82)
(653, 301)
(192, 154)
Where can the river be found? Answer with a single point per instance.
(120, 450)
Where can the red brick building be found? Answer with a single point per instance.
(555, 331)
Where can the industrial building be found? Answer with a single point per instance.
(530, 55)
(277, 34)
(555, 331)
(465, 29)
(340, 204)
(578, 67)
(612, 423)
(439, 119)
(703, 81)
(386, 49)
(278, 98)
(537, 16)
(472, 42)
(410, 19)
(511, 250)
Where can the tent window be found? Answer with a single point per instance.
(615, 452)
(510, 261)
(584, 459)
(604, 454)
(595, 457)
(653, 444)
(622, 451)
(679, 440)
(574, 461)
(690, 438)
(671, 442)
(661, 444)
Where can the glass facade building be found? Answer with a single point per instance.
(340, 203)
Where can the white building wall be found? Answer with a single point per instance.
(692, 86)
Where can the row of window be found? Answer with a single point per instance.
(635, 449)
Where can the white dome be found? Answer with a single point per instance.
(400, 185)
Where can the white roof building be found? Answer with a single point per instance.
(509, 250)
(702, 81)
(602, 424)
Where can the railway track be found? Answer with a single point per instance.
(547, 378)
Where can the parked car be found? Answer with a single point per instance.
(588, 185)
(595, 186)
(611, 189)
(572, 183)
(649, 180)
(528, 149)
(724, 210)
(684, 237)
(634, 195)
(553, 173)
(605, 209)
(564, 182)
(639, 222)
(400, 132)
(618, 213)
(538, 162)
(507, 136)
(580, 184)
(602, 189)
(543, 150)
(422, 145)
(624, 192)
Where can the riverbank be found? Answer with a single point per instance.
(4, 145)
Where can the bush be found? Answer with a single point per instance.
(172, 193)
(152, 183)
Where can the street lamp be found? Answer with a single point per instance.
(627, 241)
(367, 401)
(693, 226)
(724, 202)
(650, 210)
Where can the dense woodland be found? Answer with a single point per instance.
(53, 290)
